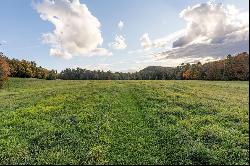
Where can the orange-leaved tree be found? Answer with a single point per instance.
(4, 71)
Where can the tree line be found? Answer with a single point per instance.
(27, 69)
(231, 68)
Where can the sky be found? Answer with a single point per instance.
(121, 35)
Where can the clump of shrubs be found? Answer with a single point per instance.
(4, 71)
(52, 75)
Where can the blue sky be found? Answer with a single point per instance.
(22, 28)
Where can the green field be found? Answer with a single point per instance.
(124, 122)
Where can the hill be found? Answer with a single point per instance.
(157, 72)
(157, 68)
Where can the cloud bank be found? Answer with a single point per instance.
(213, 23)
(77, 31)
(213, 30)
(216, 51)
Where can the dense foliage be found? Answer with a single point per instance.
(4, 71)
(27, 69)
(231, 68)
(124, 122)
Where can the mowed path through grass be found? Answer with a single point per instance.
(124, 122)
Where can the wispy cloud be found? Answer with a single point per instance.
(119, 42)
(120, 25)
(204, 50)
(3, 42)
(164, 42)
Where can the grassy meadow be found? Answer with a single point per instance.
(124, 122)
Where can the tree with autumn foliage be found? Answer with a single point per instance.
(229, 69)
(4, 71)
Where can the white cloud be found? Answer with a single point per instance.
(164, 42)
(146, 43)
(101, 52)
(213, 30)
(213, 23)
(119, 43)
(77, 31)
(120, 25)
(58, 52)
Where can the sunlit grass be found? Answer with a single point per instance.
(124, 122)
